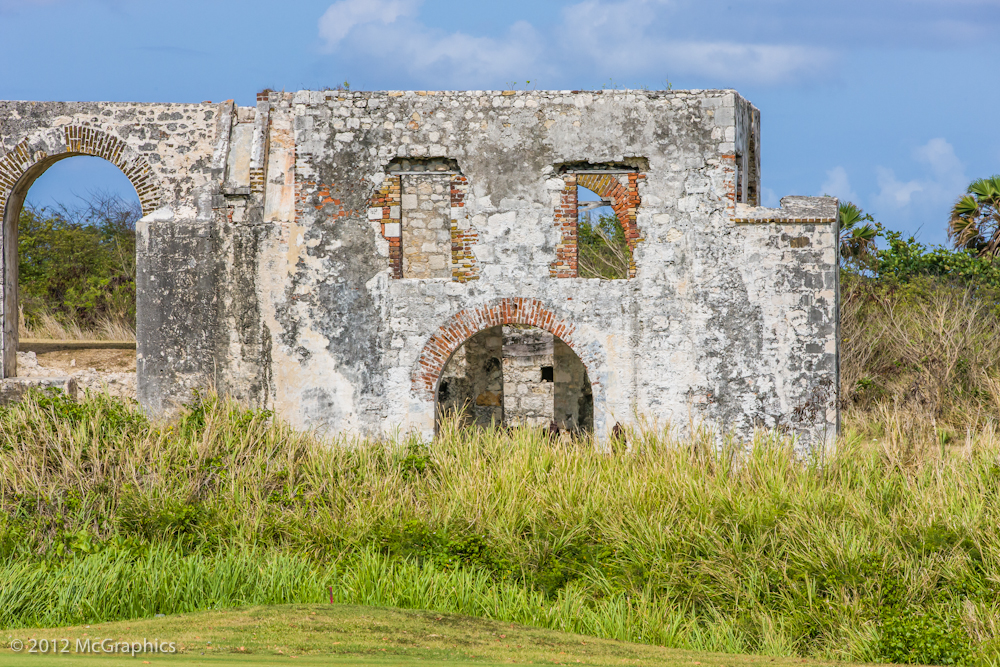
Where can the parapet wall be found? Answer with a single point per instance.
(325, 252)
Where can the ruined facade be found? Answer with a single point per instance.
(324, 253)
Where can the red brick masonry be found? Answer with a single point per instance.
(386, 198)
(83, 140)
(467, 323)
(624, 200)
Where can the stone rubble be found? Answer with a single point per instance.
(118, 384)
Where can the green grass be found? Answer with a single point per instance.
(887, 548)
(340, 634)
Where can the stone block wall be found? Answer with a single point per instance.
(426, 212)
(527, 393)
(272, 262)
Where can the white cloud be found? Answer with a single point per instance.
(620, 36)
(838, 185)
(944, 182)
(456, 58)
(343, 16)
(940, 156)
(894, 193)
(609, 39)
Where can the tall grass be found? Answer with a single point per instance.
(46, 326)
(928, 346)
(886, 549)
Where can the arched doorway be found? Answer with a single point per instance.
(516, 374)
(19, 170)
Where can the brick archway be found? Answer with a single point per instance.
(467, 323)
(32, 156)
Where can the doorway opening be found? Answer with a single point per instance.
(515, 375)
(74, 276)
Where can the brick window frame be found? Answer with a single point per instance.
(385, 206)
(625, 201)
(464, 265)
(467, 323)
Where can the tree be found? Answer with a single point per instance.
(975, 218)
(78, 264)
(602, 251)
(857, 240)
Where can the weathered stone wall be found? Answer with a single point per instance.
(172, 155)
(527, 395)
(273, 262)
(572, 404)
(426, 212)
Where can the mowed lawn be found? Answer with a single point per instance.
(353, 635)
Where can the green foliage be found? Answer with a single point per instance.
(933, 638)
(602, 251)
(78, 265)
(902, 260)
(906, 260)
(857, 240)
(870, 556)
(920, 328)
(975, 218)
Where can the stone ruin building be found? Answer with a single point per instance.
(360, 261)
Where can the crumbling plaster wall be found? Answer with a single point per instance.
(266, 267)
(729, 323)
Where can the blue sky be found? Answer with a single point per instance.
(892, 104)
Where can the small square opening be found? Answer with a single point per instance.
(547, 374)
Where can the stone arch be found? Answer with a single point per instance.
(21, 166)
(32, 156)
(515, 310)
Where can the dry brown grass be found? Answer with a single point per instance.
(926, 349)
(48, 327)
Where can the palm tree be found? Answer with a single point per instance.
(857, 241)
(975, 218)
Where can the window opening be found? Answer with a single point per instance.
(596, 243)
(753, 168)
(602, 248)
(426, 225)
(516, 375)
(421, 207)
(739, 179)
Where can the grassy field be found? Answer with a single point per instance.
(344, 634)
(884, 549)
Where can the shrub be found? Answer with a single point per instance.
(77, 267)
